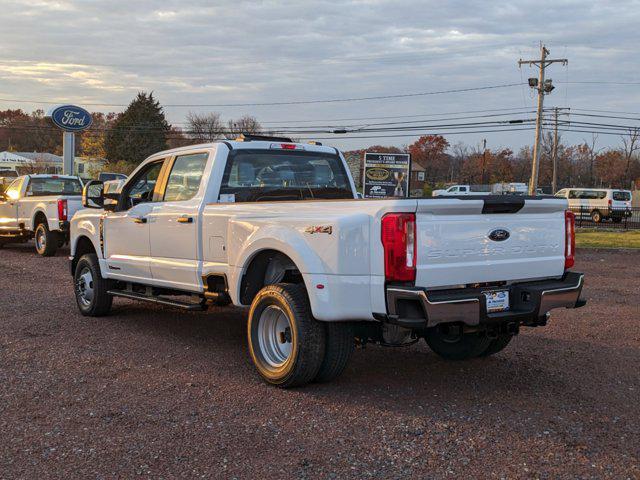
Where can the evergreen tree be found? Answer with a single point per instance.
(138, 132)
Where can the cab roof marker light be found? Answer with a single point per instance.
(286, 146)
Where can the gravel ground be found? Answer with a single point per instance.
(155, 392)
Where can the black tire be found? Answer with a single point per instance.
(456, 347)
(497, 344)
(100, 302)
(338, 347)
(596, 216)
(46, 240)
(289, 304)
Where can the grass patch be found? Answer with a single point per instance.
(607, 239)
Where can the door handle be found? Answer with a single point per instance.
(185, 219)
(140, 219)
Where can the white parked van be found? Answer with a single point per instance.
(598, 203)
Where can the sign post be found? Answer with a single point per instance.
(386, 175)
(69, 119)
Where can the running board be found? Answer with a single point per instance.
(158, 300)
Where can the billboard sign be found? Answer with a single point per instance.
(70, 118)
(386, 175)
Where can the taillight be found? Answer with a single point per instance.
(569, 239)
(610, 202)
(62, 210)
(399, 242)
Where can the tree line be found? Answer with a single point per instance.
(128, 137)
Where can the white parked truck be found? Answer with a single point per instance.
(453, 190)
(39, 206)
(276, 226)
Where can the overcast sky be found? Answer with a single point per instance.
(204, 52)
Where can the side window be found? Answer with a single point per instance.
(602, 195)
(185, 177)
(453, 189)
(13, 190)
(463, 189)
(142, 186)
(574, 194)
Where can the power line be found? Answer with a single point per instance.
(416, 134)
(298, 102)
(597, 82)
(267, 122)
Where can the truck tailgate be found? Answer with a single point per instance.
(74, 203)
(454, 244)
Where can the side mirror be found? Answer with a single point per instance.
(93, 195)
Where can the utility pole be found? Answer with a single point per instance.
(554, 180)
(484, 160)
(543, 87)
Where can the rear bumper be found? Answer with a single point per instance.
(529, 303)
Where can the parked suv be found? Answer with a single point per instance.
(598, 203)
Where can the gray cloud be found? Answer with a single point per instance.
(229, 51)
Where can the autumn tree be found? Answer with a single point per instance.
(92, 141)
(24, 132)
(429, 152)
(631, 143)
(138, 132)
(486, 167)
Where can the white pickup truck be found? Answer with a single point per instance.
(277, 226)
(39, 206)
(454, 190)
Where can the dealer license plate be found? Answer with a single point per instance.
(497, 301)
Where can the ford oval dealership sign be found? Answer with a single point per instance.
(70, 118)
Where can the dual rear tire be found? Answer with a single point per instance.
(290, 348)
(464, 346)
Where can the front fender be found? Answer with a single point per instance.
(85, 227)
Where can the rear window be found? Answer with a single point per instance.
(41, 186)
(622, 196)
(267, 176)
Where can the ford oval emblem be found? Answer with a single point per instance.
(499, 235)
(70, 118)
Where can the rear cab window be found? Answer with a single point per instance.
(185, 177)
(13, 190)
(43, 186)
(281, 175)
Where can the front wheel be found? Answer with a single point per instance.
(286, 343)
(90, 288)
(451, 344)
(46, 240)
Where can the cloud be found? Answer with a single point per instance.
(226, 52)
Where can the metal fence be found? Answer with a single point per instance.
(607, 218)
